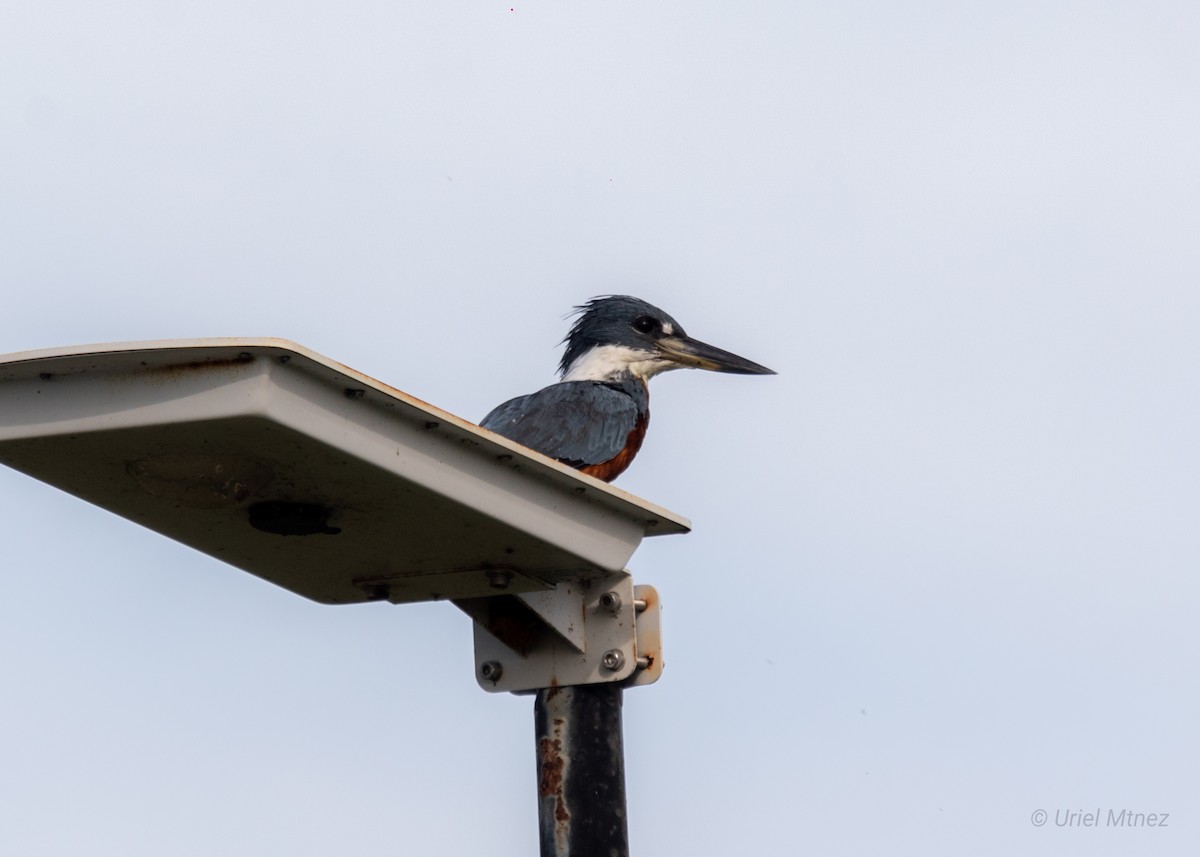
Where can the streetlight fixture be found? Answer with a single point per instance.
(330, 484)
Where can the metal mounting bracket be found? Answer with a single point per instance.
(598, 630)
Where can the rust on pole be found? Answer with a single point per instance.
(581, 772)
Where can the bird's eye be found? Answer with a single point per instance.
(645, 324)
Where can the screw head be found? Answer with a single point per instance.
(611, 601)
(499, 578)
(491, 671)
(613, 660)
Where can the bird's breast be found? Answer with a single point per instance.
(609, 470)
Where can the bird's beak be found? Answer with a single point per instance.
(699, 355)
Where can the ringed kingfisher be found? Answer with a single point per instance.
(595, 417)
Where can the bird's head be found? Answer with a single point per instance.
(618, 334)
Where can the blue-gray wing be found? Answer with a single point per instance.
(577, 422)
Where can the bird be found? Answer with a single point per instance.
(594, 417)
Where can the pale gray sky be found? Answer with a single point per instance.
(944, 567)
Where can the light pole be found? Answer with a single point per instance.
(328, 483)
